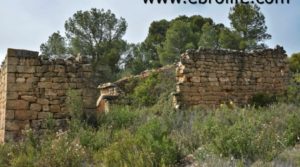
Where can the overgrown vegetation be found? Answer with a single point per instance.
(157, 135)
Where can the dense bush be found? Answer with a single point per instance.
(294, 62)
(262, 100)
(149, 91)
(293, 92)
(158, 135)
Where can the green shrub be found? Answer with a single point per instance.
(152, 89)
(263, 100)
(125, 151)
(154, 136)
(142, 93)
(294, 62)
(6, 154)
(292, 132)
(293, 91)
(248, 134)
(94, 140)
(60, 152)
(75, 104)
(161, 136)
(118, 117)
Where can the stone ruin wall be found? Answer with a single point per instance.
(34, 89)
(212, 77)
(3, 87)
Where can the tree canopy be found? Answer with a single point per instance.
(249, 23)
(55, 46)
(98, 34)
(95, 33)
(178, 39)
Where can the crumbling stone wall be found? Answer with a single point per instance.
(34, 89)
(212, 77)
(3, 87)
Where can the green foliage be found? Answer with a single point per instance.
(125, 152)
(121, 117)
(75, 105)
(230, 39)
(140, 137)
(97, 33)
(55, 46)
(142, 91)
(246, 134)
(178, 39)
(155, 38)
(292, 133)
(294, 62)
(150, 90)
(293, 91)
(61, 152)
(154, 136)
(209, 37)
(263, 100)
(249, 23)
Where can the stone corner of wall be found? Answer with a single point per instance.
(21, 53)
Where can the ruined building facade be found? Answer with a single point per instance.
(212, 77)
(35, 89)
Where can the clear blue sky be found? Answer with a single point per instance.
(25, 24)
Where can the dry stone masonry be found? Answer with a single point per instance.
(212, 77)
(34, 89)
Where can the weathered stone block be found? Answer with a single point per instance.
(35, 107)
(59, 68)
(46, 108)
(10, 115)
(43, 101)
(11, 69)
(20, 80)
(11, 126)
(59, 86)
(15, 87)
(45, 85)
(50, 92)
(45, 115)
(46, 79)
(29, 98)
(59, 80)
(11, 78)
(17, 105)
(32, 79)
(12, 96)
(195, 79)
(54, 108)
(26, 69)
(23, 115)
(12, 61)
